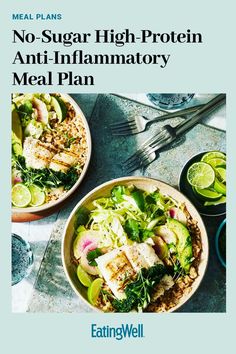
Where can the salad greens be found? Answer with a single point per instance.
(128, 215)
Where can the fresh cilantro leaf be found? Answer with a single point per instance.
(92, 255)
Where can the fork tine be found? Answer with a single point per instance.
(121, 124)
(125, 131)
(145, 146)
(133, 167)
(139, 163)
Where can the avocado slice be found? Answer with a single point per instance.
(184, 242)
(16, 126)
(16, 144)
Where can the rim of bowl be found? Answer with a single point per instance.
(180, 176)
(127, 179)
(50, 205)
(217, 238)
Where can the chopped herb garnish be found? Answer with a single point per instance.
(92, 255)
(46, 177)
(138, 293)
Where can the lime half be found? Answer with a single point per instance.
(37, 195)
(212, 155)
(217, 162)
(94, 290)
(83, 276)
(20, 195)
(201, 175)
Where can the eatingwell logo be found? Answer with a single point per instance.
(118, 333)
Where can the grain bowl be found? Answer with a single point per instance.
(135, 244)
(51, 149)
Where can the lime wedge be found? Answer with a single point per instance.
(37, 195)
(221, 174)
(217, 162)
(219, 187)
(212, 155)
(207, 194)
(94, 290)
(20, 195)
(83, 276)
(201, 175)
(222, 200)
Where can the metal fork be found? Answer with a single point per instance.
(148, 151)
(139, 123)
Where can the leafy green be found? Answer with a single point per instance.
(131, 227)
(25, 110)
(92, 255)
(117, 193)
(159, 200)
(135, 232)
(138, 293)
(45, 177)
(139, 199)
(82, 217)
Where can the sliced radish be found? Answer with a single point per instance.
(84, 261)
(42, 111)
(178, 214)
(84, 239)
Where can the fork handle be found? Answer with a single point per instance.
(175, 114)
(201, 113)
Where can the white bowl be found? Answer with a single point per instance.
(104, 190)
(75, 186)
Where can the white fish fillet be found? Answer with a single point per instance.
(36, 155)
(141, 256)
(63, 161)
(122, 264)
(41, 155)
(115, 268)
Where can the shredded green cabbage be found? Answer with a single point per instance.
(112, 215)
